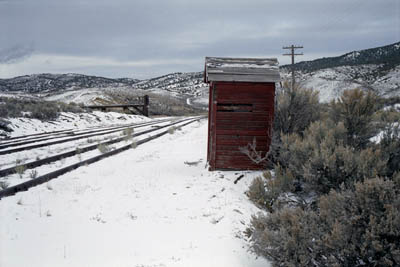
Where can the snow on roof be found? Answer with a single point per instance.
(241, 69)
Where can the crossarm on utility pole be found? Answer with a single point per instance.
(292, 54)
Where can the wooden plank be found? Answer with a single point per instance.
(247, 85)
(264, 77)
(240, 71)
(234, 107)
(234, 154)
(227, 147)
(261, 145)
(241, 140)
(265, 123)
(252, 92)
(237, 165)
(263, 106)
(243, 84)
(236, 158)
(265, 126)
(245, 138)
(241, 132)
(235, 147)
(240, 99)
(243, 124)
(243, 128)
(229, 153)
(242, 116)
(251, 101)
(238, 119)
(231, 60)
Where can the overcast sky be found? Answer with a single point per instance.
(143, 39)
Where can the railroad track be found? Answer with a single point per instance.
(69, 136)
(39, 162)
(152, 133)
(38, 135)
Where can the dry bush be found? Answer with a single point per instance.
(355, 109)
(325, 208)
(103, 148)
(134, 144)
(390, 147)
(20, 169)
(128, 133)
(295, 109)
(358, 227)
(37, 109)
(319, 162)
(4, 185)
(33, 174)
(257, 192)
(388, 116)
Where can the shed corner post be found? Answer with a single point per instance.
(213, 133)
(211, 127)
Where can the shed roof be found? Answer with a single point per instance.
(241, 69)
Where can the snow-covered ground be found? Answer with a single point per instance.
(333, 81)
(83, 96)
(156, 205)
(67, 120)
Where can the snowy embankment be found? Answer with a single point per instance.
(333, 81)
(75, 121)
(156, 205)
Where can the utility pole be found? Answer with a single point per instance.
(292, 53)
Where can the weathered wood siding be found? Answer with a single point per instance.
(239, 112)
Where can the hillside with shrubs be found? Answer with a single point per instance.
(33, 108)
(331, 194)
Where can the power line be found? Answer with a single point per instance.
(292, 54)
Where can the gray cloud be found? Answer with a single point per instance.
(15, 53)
(186, 31)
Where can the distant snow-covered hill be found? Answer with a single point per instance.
(177, 83)
(46, 83)
(376, 69)
(331, 82)
(186, 86)
(385, 58)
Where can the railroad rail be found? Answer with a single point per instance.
(54, 174)
(56, 134)
(75, 137)
(8, 139)
(37, 163)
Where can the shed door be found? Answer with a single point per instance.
(244, 111)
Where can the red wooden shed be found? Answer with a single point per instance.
(241, 109)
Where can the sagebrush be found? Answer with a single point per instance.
(334, 194)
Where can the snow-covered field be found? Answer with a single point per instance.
(76, 121)
(156, 205)
(85, 96)
(332, 82)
